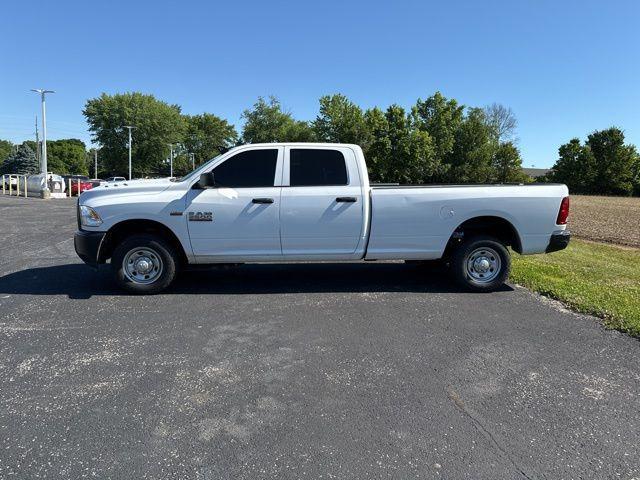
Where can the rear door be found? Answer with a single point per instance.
(321, 211)
(239, 219)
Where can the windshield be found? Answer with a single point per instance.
(192, 172)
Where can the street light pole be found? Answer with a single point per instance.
(171, 161)
(45, 191)
(95, 163)
(130, 127)
(37, 142)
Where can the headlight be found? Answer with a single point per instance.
(89, 217)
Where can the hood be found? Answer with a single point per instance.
(128, 187)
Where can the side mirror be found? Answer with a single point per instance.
(207, 180)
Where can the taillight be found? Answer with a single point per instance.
(563, 213)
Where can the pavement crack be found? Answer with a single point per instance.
(481, 426)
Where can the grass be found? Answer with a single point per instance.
(594, 278)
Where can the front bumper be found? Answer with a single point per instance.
(558, 241)
(87, 245)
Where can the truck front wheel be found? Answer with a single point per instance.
(480, 264)
(144, 264)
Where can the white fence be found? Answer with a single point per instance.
(11, 185)
(32, 185)
(77, 183)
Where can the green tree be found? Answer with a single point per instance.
(396, 151)
(604, 165)
(398, 166)
(340, 121)
(206, 136)
(411, 153)
(298, 131)
(266, 122)
(22, 161)
(32, 145)
(613, 162)
(441, 118)
(68, 156)
(473, 151)
(377, 151)
(635, 175)
(575, 167)
(507, 164)
(156, 125)
(6, 147)
(181, 162)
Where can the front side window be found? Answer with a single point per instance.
(315, 167)
(252, 168)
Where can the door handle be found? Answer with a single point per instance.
(262, 200)
(346, 199)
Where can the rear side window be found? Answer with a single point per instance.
(253, 168)
(314, 167)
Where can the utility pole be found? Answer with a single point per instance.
(37, 142)
(45, 191)
(171, 161)
(193, 161)
(130, 127)
(95, 163)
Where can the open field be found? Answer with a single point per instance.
(598, 279)
(606, 219)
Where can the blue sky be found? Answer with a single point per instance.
(566, 68)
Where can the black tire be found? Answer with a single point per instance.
(464, 272)
(162, 254)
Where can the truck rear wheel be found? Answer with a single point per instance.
(480, 264)
(144, 264)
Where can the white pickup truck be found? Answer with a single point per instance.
(311, 202)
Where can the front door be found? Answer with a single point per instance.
(238, 219)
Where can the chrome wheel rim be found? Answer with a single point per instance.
(142, 265)
(484, 264)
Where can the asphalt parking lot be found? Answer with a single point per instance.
(297, 371)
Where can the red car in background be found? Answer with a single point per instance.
(79, 183)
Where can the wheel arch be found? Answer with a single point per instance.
(493, 225)
(126, 228)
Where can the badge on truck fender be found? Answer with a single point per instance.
(200, 216)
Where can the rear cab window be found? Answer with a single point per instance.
(317, 167)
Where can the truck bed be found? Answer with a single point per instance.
(417, 221)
